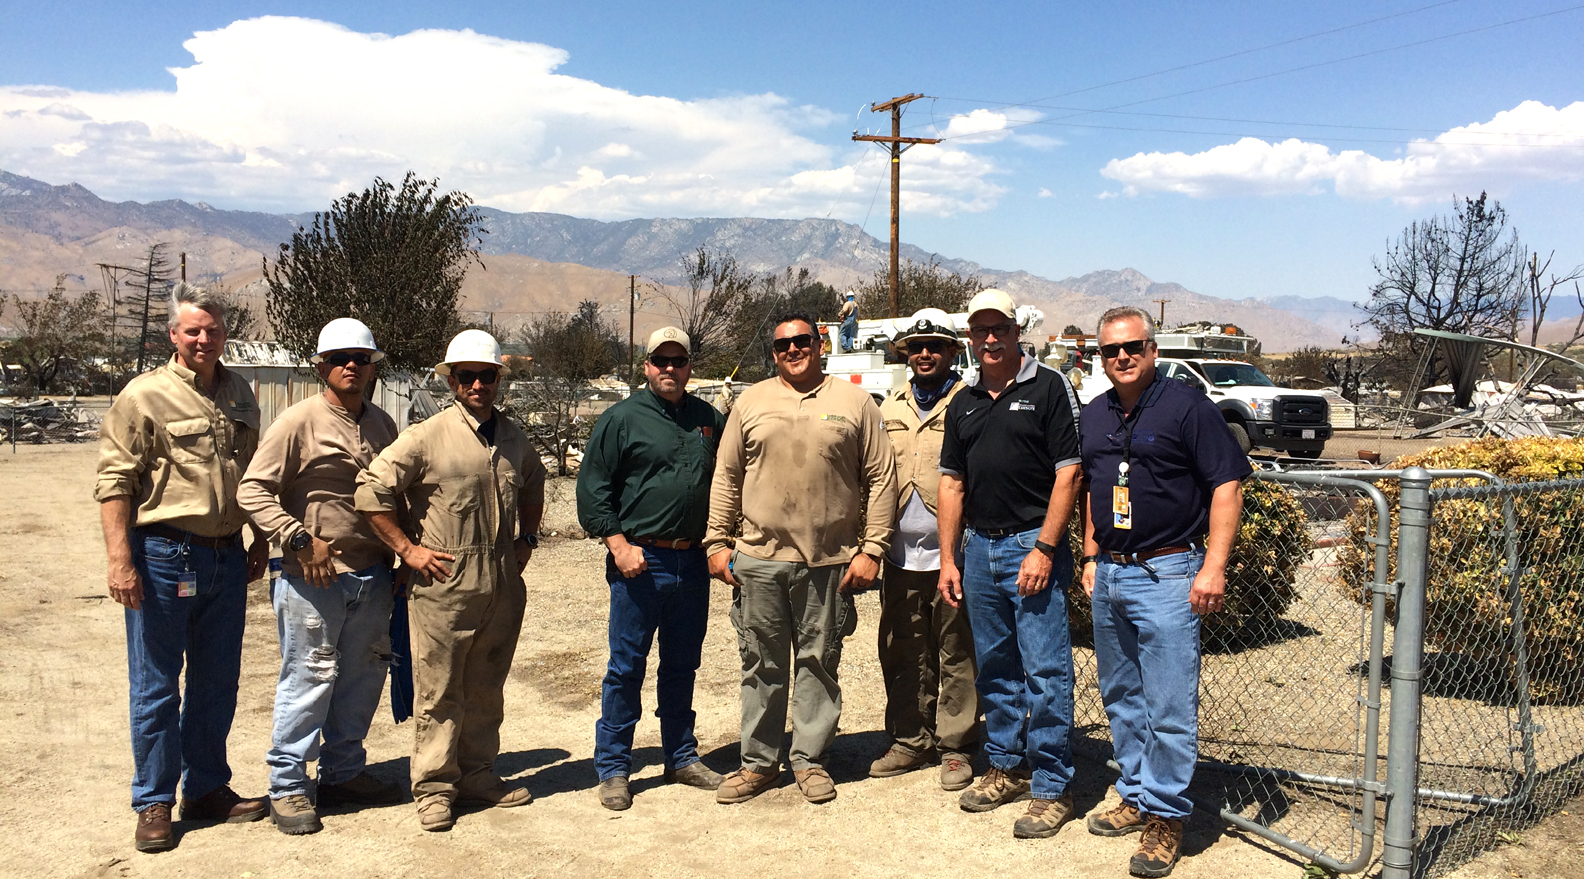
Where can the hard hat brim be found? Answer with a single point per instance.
(376, 355)
(444, 367)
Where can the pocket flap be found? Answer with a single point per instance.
(187, 427)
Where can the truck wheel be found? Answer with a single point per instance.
(1240, 434)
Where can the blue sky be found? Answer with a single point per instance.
(615, 110)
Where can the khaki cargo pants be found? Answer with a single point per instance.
(927, 660)
(790, 622)
(464, 634)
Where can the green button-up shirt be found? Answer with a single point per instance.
(646, 471)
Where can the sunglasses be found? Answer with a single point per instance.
(342, 358)
(801, 340)
(1001, 331)
(1133, 348)
(661, 361)
(933, 346)
(466, 377)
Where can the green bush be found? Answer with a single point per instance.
(1273, 540)
(1467, 610)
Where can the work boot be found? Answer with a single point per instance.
(497, 793)
(956, 771)
(745, 784)
(1043, 818)
(154, 829)
(360, 790)
(896, 761)
(996, 788)
(223, 804)
(1119, 820)
(816, 784)
(434, 813)
(294, 815)
(695, 774)
(1159, 849)
(614, 795)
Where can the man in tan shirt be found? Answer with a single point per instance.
(475, 491)
(805, 466)
(171, 451)
(926, 647)
(333, 604)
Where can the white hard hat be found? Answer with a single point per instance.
(927, 323)
(991, 299)
(471, 346)
(346, 334)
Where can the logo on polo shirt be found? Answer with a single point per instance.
(830, 416)
(1021, 406)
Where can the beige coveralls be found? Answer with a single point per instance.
(463, 496)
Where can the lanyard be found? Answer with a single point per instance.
(1129, 422)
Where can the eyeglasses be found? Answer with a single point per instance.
(466, 377)
(1001, 331)
(1133, 348)
(342, 358)
(661, 361)
(933, 346)
(801, 340)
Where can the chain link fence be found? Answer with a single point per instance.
(1395, 681)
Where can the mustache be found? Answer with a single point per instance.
(995, 346)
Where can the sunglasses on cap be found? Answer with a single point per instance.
(801, 340)
(1133, 348)
(933, 346)
(661, 361)
(342, 358)
(466, 377)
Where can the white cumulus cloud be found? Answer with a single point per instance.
(1531, 142)
(281, 113)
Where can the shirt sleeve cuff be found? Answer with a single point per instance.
(1067, 462)
(950, 472)
(370, 498)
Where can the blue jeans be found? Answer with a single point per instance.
(671, 598)
(1024, 650)
(335, 653)
(1147, 651)
(205, 631)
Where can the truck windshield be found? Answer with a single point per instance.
(1226, 375)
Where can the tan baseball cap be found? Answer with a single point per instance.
(991, 299)
(669, 334)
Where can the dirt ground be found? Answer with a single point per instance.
(65, 763)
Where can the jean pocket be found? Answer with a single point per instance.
(160, 549)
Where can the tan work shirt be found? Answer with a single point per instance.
(177, 452)
(303, 476)
(461, 493)
(804, 472)
(917, 443)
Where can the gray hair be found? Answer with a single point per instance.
(198, 297)
(1123, 312)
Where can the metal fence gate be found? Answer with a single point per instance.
(1400, 684)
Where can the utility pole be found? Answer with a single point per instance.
(899, 145)
(184, 266)
(632, 316)
(1162, 323)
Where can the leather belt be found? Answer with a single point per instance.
(683, 543)
(998, 533)
(1124, 558)
(179, 536)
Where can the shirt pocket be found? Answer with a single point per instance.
(459, 495)
(191, 440)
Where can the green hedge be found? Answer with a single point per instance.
(1467, 607)
(1273, 540)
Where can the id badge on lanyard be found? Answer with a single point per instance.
(1121, 507)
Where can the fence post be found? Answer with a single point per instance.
(1402, 744)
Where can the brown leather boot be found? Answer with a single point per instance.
(745, 784)
(1159, 850)
(154, 829)
(223, 804)
(1119, 820)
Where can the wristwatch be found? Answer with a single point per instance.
(1042, 546)
(299, 541)
(1087, 559)
(531, 539)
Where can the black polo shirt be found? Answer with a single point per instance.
(1182, 450)
(1007, 449)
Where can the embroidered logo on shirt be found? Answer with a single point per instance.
(828, 416)
(1021, 406)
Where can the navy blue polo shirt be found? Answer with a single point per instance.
(1182, 450)
(1007, 449)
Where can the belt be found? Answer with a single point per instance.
(683, 543)
(1125, 558)
(180, 536)
(998, 533)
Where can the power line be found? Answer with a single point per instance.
(1415, 143)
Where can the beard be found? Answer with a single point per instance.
(932, 380)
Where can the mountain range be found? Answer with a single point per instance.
(538, 262)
